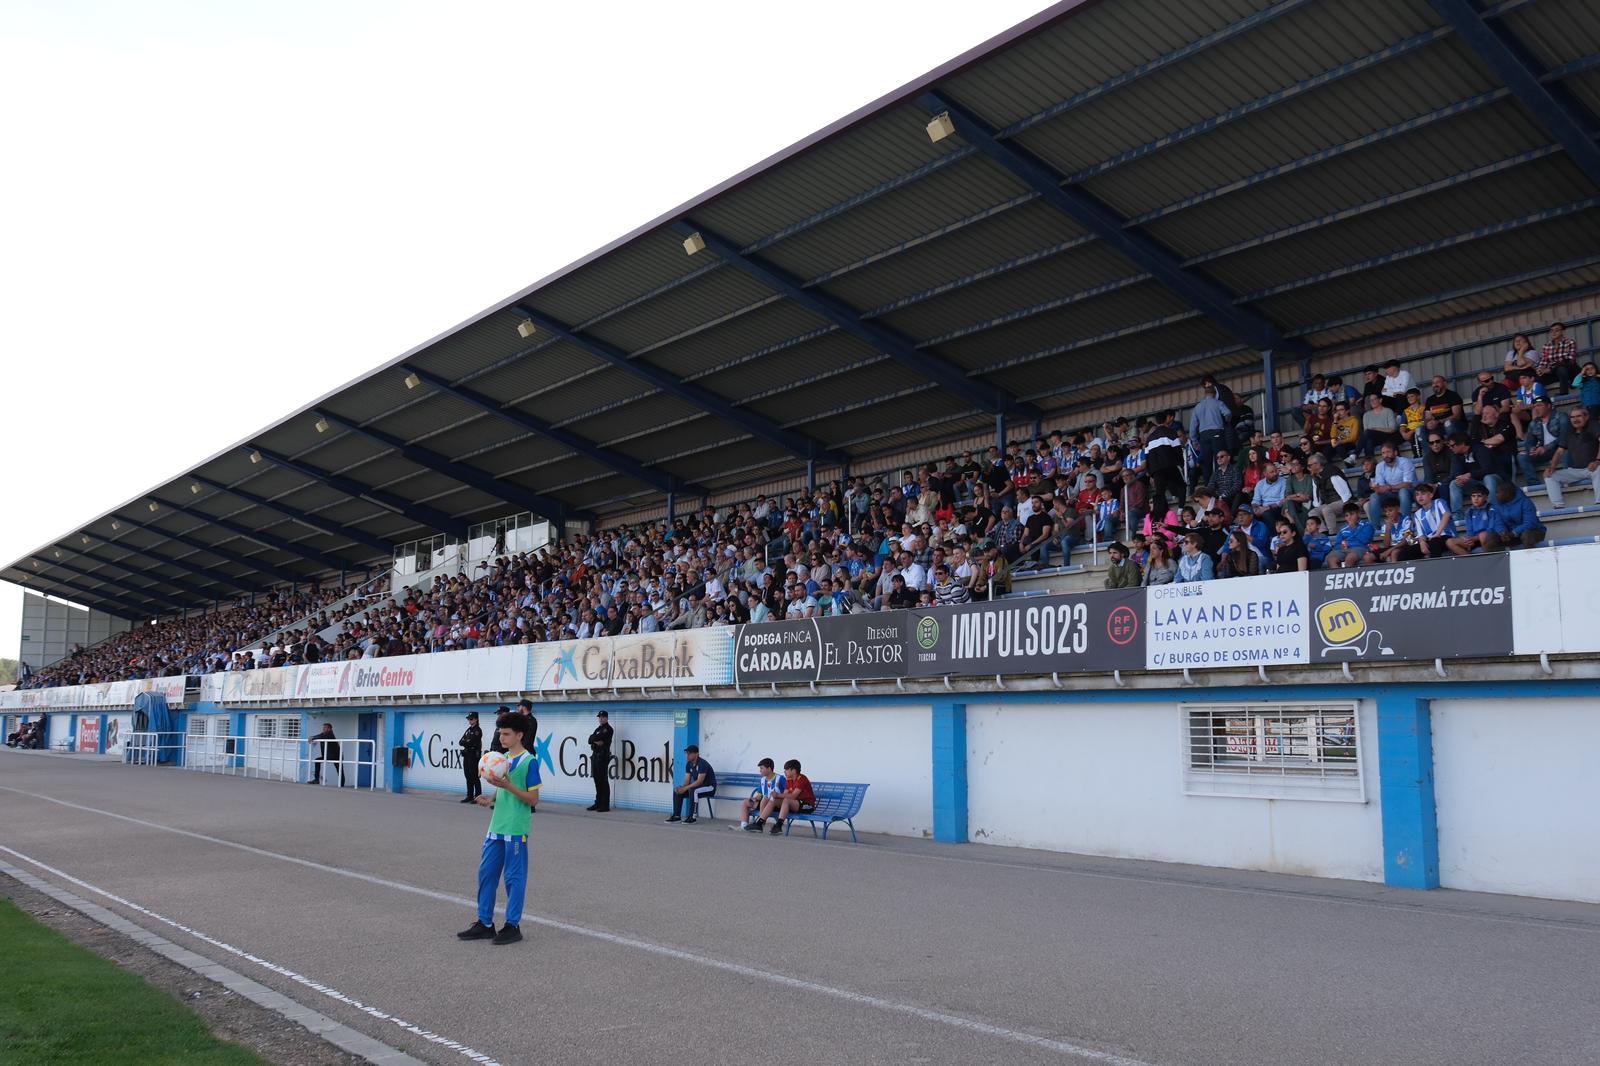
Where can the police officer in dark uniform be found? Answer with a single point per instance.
(471, 752)
(494, 741)
(600, 762)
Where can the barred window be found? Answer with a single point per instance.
(1274, 750)
(279, 727)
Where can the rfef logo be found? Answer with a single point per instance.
(928, 632)
(1122, 625)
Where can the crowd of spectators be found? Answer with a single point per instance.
(1421, 473)
(198, 644)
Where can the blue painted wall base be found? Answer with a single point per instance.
(1405, 767)
(950, 773)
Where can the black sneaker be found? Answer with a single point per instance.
(508, 934)
(467, 800)
(592, 807)
(476, 931)
(674, 818)
(755, 826)
(602, 810)
(690, 820)
(777, 827)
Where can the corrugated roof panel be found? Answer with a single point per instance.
(925, 409)
(878, 150)
(1076, 323)
(799, 407)
(650, 443)
(697, 356)
(1458, 210)
(600, 393)
(751, 454)
(1329, 116)
(1045, 281)
(547, 477)
(1015, 233)
(1097, 43)
(1556, 31)
(605, 424)
(1431, 153)
(1585, 88)
(1062, 376)
(1453, 268)
(627, 272)
(708, 296)
(941, 198)
(831, 356)
(1313, 39)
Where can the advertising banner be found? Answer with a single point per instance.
(863, 647)
(649, 660)
(641, 766)
(781, 652)
(1432, 609)
(1256, 621)
(1035, 635)
(89, 734)
(118, 726)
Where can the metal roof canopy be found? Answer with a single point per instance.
(1126, 187)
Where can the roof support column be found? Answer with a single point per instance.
(1269, 388)
(1000, 434)
(672, 505)
(811, 476)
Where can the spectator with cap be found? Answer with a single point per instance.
(1123, 573)
(1541, 437)
(699, 781)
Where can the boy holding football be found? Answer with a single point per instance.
(505, 849)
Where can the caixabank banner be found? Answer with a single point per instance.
(1431, 609)
(1036, 635)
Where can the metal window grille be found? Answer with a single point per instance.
(278, 727)
(1274, 750)
(197, 725)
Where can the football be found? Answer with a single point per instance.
(493, 763)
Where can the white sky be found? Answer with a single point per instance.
(215, 213)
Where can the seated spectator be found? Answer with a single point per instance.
(1379, 424)
(1588, 385)
(946, 591)
(1290, 555)
(1270, 494)
(1521, 356)
(1352, 545)
(1430, 525)
(1123, 573)
(1482, 522)
(1392, 476)
(1160, 569)
(1392, 532)
(1194, 564)
(1519, 521)
(1397, 382)
(769, 785)
(1240, 557)
(1558, 358)
(796, 797)
(1226, 480)
(1329, 492)
(699, 781)
(901, 596)
(1259, 532)
(1319, 428)
(1541, 436)
(1575, 460)
(1318, 544)
(1412, 417)
(1444, 404)
(1488, 391)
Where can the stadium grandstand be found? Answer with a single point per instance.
(1139, 480)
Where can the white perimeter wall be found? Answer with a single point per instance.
(1518, 793)
(1117, 774)
(60, 730)
(889, 747)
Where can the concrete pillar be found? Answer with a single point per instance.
(1405, 772)
(950, 772)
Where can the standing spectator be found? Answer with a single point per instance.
(1575, 460)
(471, 752)
(1558, 359)
(325, 749)
(1163, 459)
(600, 762)
(1208, 423)
(505, 848)
(699, 780)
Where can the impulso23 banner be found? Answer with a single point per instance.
(1034, 635)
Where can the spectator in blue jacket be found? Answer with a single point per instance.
(1259, 532)
(1520, 525)
(1353, 544)
(1482, 523)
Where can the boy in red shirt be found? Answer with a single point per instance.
(796, 797)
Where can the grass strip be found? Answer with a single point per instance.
(61, 1003)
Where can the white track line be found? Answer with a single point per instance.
(349, 1039)
(954, 1021)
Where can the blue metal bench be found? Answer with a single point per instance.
(836, 802)
(738, 785)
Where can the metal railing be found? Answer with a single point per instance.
(272, 758)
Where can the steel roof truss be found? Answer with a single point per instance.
(220, 552)
(420, 513)
(149, 593)
(304, 518)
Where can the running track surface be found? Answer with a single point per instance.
(648, 942)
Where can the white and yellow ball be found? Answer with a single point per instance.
(493, 764)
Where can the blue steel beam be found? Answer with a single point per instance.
(419, 513)
(1510, 62)
(177, 583)
(901, 349)
(150, 593)
(326, 525)
(1150, 255)
(555, 510)
(221, 553)
(609, 457)
(751, 422)
(140, 609)
(270, 540)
